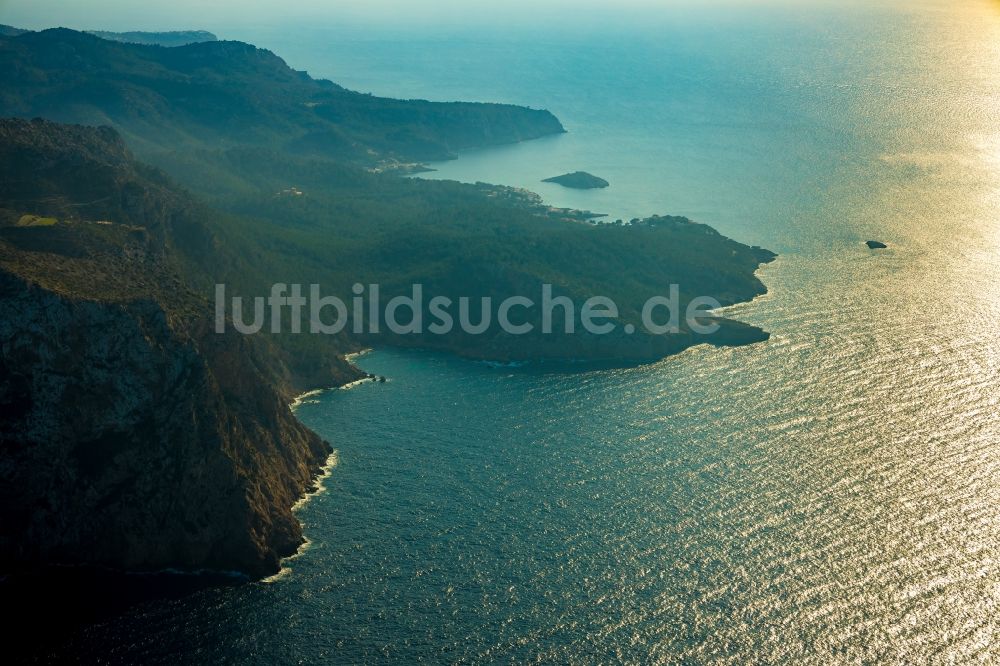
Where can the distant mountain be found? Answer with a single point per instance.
(223, 94)
(10, 31)
(170, 38)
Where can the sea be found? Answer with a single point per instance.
(830, 496)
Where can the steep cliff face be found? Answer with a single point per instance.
(135, 441)
(131, 433)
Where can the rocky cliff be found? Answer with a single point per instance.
(131, 434)
(135, 440)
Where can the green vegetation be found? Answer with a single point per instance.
(35, 221)
(271, 201)
(170, 38)
(350, 225)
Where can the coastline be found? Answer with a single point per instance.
(319, 487)
(300, 399)
(566, 365)
(325, 471)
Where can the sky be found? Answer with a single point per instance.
(216, 14)
(176, 14)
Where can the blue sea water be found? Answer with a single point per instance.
(830, 496)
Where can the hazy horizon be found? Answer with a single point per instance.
(189, 15)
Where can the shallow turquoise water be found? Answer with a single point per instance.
(830, 496)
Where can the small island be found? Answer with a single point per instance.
(578, 180)
(876, 245)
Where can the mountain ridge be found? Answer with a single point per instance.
(158, 38)
(226, 93)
